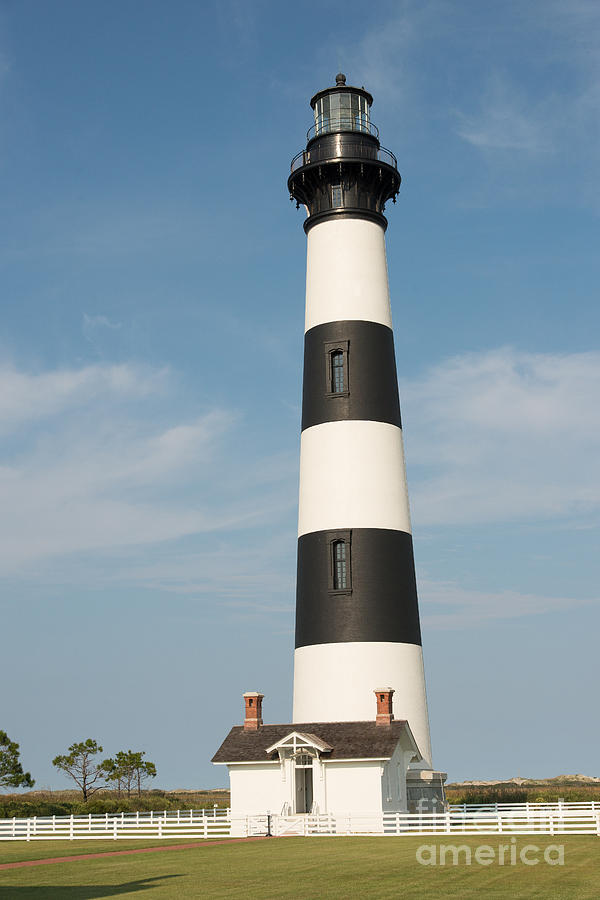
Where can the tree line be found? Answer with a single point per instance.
(126, 772)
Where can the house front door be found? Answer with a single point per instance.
(304, 790)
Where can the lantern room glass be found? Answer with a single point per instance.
(341, 111)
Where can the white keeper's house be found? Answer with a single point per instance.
(319, 767)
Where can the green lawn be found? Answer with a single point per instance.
(308, 868)
(16, 851)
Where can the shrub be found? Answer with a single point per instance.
(24, 809)
(488, 796)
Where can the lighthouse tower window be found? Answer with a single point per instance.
(338, 385)
(340, 561)
(336, 195)
(337, 382)
(340, 572)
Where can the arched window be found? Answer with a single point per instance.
(303, 760)
(340, 561)
(340, 572)
(338, 379)
(337, 370)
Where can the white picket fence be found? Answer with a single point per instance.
(592, 806)
(505, 819)
(171, 824)
(509, 819)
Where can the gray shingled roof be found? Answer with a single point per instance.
(349, 740)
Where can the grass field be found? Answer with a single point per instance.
(311, 868)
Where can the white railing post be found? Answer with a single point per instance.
(205, 827)
(71, 828)
(53, 824)
(115, 828)
(28, 838)
(551, 821)
(14, 828)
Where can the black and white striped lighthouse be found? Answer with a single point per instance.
(357, 618)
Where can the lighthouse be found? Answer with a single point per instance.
(357, 618)
(359, 736)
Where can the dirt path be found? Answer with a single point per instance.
(60, 859)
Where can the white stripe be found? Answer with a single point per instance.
(346, 273)
(352, 475)
(336, 683)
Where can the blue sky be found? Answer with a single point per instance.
(152, 291)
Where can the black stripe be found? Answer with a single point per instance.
(368, 214)
(371, 374)
(381, 604)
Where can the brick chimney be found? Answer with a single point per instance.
(253, 719)
(384, 706)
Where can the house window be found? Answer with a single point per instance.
(340, 565)
(304, 761)
(336, 368)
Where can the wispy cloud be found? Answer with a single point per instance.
(506, 120)
(239, 29)
(504, 436)
(379, 58)
(521, 84)
(449, 606)
(27, 397)
(548, 100)
(252, 569)
(93, 324)
(107, 472)
(387, 56)
(95, 471)
(80, 231)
